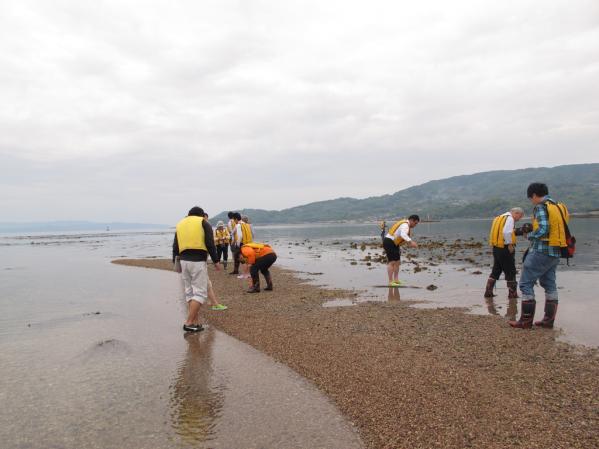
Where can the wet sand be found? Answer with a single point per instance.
(420, 378)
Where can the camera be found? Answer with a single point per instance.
(524, 229)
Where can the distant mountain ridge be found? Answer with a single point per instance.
(480, 195)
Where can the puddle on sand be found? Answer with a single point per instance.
(339, 303)
(74, 380)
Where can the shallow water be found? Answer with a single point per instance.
(459, 284)
(126, 376)
(93, 356)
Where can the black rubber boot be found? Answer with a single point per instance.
(269, 285)
(235, 267)
(489, 289)
(527, 316)
(255, 288)
(512, 287)
(550, 312)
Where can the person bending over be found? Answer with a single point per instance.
(398, 235)
(260, 258)
(502, 238)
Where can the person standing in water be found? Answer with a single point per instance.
(502, 238)
(399, 234)
(547, 240)
(193, 242)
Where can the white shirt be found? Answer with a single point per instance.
(508, 228)
(402, 231)
(238, 234)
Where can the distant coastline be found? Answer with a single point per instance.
(73, 226)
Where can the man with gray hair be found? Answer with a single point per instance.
(503, 240)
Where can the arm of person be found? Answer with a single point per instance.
(543, 220)
(249, 255)
(175, 248)
(404, 232)
(209, 241)
(508, 228)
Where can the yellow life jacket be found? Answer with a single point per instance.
(557, 230)
(398, 240)
(221, 237)
(246, 233)
(190, 234)
(496, 234)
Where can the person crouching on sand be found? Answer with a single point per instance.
(502, 238)
(260, 258)
(193, 242)
(399, 234)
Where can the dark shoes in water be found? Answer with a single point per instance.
(193, 327)
(527, 316)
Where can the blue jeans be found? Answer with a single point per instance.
(541, 267)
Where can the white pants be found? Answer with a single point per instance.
(195, 280)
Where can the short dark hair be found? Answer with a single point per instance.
(196, 211)
(414, 218)
(230, 215)
(538, 189)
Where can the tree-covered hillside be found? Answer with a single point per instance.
(479, 195)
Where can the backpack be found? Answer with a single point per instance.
(568, 251)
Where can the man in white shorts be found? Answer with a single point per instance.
(194, 240)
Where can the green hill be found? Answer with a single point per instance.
(479, 195)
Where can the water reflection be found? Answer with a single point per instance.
(512, 309)
(393, 295)
(195, 401)
(491, 306)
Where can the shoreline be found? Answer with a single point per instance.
(418, 378)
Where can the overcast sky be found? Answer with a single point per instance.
(136, 111)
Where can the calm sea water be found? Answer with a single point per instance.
(92, 354)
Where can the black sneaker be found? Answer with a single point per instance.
(193, 328)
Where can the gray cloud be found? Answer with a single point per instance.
(137, 110)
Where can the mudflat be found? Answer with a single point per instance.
(418, 378)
